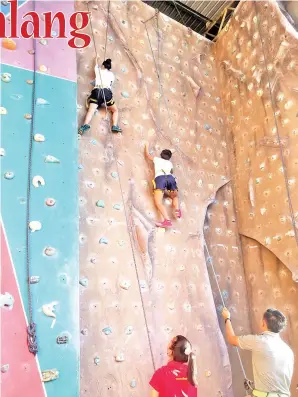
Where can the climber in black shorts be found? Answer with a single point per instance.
(100, 95)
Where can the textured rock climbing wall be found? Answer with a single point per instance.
(55, 120)
(257, 58)
(132, 273)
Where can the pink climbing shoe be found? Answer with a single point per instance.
(178, 214)
(165, 224)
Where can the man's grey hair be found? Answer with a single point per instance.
(275, 320)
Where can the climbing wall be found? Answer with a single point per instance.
(140, 286)
(54, 248)
(257, 58)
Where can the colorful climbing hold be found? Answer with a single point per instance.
(100, 203)
(49, 375)
(103, 240)
(38, 181)
(34, 226)
(50, 202)
(125, 94)
(50, 251)
(9, 175)
(114, 174)
(39, 138)
(51, 159)
(43, 68)
(107, 330)
(84, 282)
(34, 279)
(9, 44)
(96, 360)
(27, 116)
(117, 207)
(6, 77)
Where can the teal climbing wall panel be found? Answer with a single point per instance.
(55, 119)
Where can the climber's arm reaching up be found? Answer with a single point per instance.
(147, 154)
(230, 334)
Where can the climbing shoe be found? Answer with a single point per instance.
(116, 128)
(165, 224)
(178, 214)
(83, 129)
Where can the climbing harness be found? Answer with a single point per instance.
(248, 384)
(282, 156)
(128, 224)
(31, 329)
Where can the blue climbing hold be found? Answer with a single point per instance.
(93, 142)
(225, 294)
(84, 282)
(100, 203)
(9, 175)
(103, 240)
(207, 127)
(123, 69)
(133, 384)
(114, 174)
(96, 360)
(107, 331)
(117, 207)
(219, 308)
(80, 166)
(125, 94)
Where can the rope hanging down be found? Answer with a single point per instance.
(31, 329)
(128, 224)
(282, 156)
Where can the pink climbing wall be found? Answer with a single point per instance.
(169, 274)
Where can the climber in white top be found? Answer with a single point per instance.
(101, 94)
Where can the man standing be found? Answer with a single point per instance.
(272, 358)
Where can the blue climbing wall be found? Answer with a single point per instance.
(55, 119)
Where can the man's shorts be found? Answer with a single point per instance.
(165, 182)
(98, 96)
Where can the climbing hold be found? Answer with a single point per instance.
(4, 368)
(125, 94)
(51, 159)
(48, 310)
(107, 331)
(9, 175)
(120, 358)
(43, 68)
(30, 82)
(125, 284)
(207, 127)
(114, 174)
(84, 331)
(129, 330)
(38, 181)
(39, 138)
(133, 383)
(50, 202)
(3, 111)
(41, 101)
(103, 240)
(31, 52)
(6, 300)
(4, 3)
(187, 307)
(62, 340)
(43, 42)
(50, 251)
(84, 282)
(117, 207)
(34, 279)
(9, 44)
(207, 373)
(27, 116)
(50, 374)
(6, 77)
(100, 203)
(2, 152)
(34, 226)
(121, 243)
(16, 97)
(96, 360)
(80, 166)
(54, 34)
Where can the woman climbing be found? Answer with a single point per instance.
(101, 94)
(179, 377)
(164, 181)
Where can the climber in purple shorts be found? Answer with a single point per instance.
(164, 181)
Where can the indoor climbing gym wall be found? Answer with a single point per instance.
(141, 285)
(39, 193)
(257, 60)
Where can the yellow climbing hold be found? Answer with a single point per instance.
(9, 44)
(43, 68)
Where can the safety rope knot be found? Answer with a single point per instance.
(248, 384)
(31, 338)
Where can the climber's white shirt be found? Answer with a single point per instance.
(272, 361)
(162, 167)
(107, 77)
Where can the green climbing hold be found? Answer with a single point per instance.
(84, 282)
(96, 360)
(114, 174)
(125, 94)
(100, 203)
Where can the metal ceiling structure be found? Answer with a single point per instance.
(204, 17)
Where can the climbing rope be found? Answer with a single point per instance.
(128, 224)
(282, 156)
(31, 329)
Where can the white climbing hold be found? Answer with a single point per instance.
(3, 110)
(51, 159)
(2, 152)
(38, 181)
(39, 138)
(125, 284)
(34, 226)
(43, 68)
(120, 357)
(48, 310)
(6, 77)
(41, 101)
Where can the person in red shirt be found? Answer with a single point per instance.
(179, 377)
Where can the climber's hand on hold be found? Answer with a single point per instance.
(147, 154)
(225, 313)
